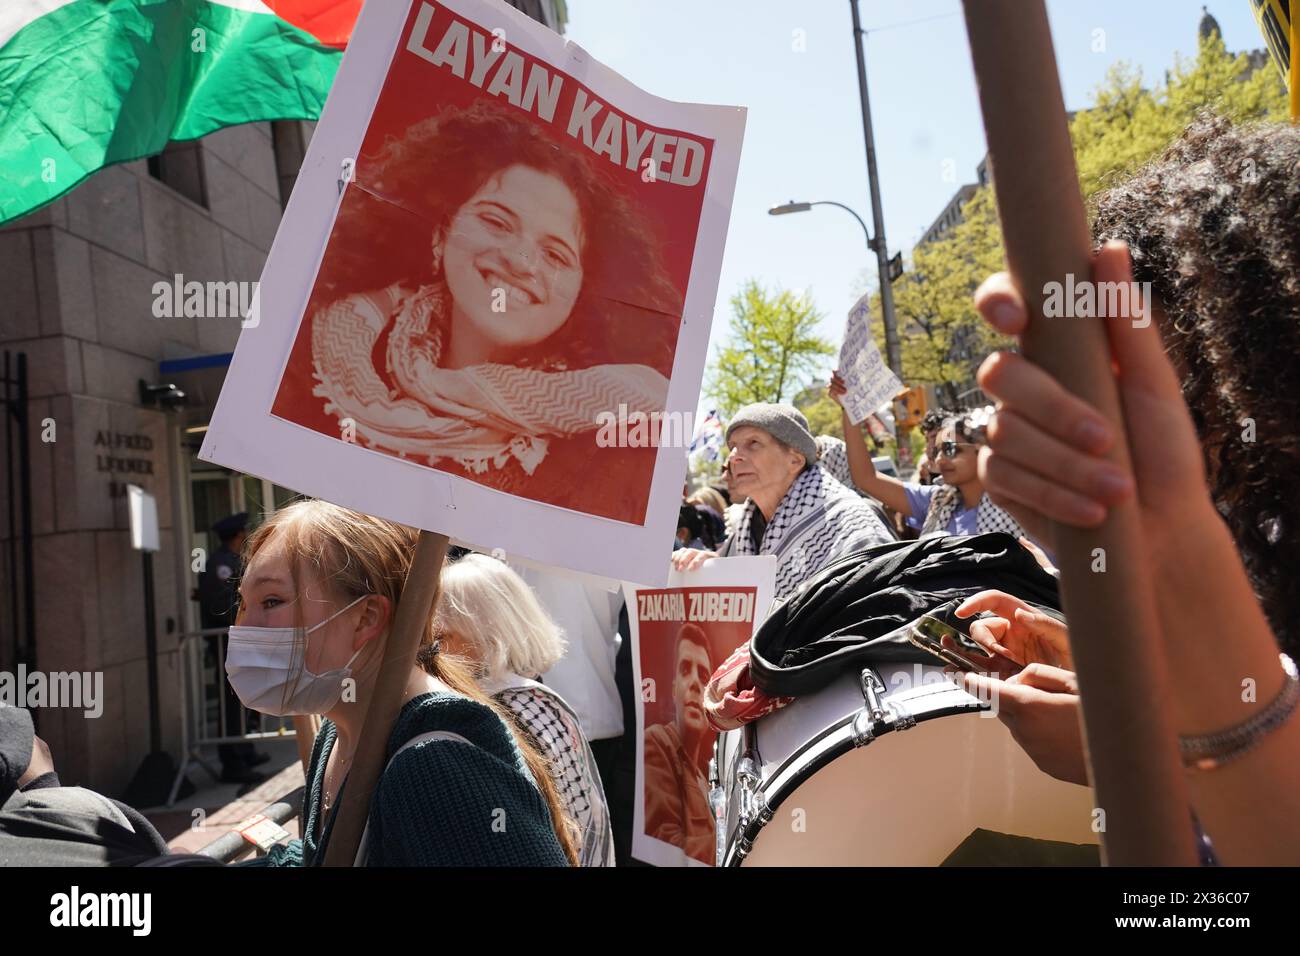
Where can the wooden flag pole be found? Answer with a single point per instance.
(409, 624)
(1114, 629)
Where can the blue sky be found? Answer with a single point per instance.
(803, 138)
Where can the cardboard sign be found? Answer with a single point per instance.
(491, 293)
(870, 381)
(680, 635)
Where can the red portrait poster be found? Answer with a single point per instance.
(681, 634)
(520, 251)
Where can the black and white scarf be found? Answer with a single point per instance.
(988, 517)
(817, 521)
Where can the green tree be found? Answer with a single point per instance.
(772, 348)
(943, 341)
(942, 338)
(1130, 125)
(822, 411)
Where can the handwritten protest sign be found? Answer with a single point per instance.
(870, 381)
(499, 254)
(680, 634)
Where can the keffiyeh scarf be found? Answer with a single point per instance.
(555, 729)
(816, 522)
(989, 517)
(731, 700)
(834, 457)
(481, 417)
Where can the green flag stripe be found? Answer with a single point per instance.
(98, 82)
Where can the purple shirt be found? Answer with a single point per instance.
(963, 521)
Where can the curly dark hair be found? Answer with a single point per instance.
(627, 310)
(934, 420)
(1214, 225)
(966, 428)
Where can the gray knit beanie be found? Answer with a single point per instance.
(785, 423)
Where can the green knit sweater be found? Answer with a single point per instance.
(441, 802)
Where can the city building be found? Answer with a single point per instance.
(950, 216)
(88, 285)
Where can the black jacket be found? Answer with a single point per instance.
(219, 588)
(836, 621)
(45, 824)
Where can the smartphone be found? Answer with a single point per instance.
(931, 633)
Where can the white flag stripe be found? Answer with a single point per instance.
(16, 14)
(251, 6)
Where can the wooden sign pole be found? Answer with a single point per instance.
(409, 625)
(1114, 630)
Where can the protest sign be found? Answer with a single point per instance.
(869, 380)
(710, 436)
(680, 635)
(498, 256)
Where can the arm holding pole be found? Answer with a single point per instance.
(1114, 624)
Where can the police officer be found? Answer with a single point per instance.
(218, 604)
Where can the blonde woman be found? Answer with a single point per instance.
(710, 498)
(320, 591)
(487, 614)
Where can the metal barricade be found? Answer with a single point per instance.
(231, 845)
(204, 706)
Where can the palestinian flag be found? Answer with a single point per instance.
(88, 83)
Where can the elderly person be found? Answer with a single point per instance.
(488, 616)
(796, 510)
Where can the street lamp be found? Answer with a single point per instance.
(892, 357)
(792, 206)
(892, 349)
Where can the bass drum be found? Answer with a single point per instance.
(894, 768)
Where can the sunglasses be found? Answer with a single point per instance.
(949, 449)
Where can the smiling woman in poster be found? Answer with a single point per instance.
(496, 293)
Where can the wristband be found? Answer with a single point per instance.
(1209, 751)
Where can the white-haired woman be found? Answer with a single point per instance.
(489, 616)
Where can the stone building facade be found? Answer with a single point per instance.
(80, 283)
(78, 280)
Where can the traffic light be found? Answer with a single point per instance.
(910, 407)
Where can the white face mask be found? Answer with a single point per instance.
(261, 668)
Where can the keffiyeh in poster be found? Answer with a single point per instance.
(521, 247)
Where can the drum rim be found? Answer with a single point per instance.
(744, 836)
(798, 775)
